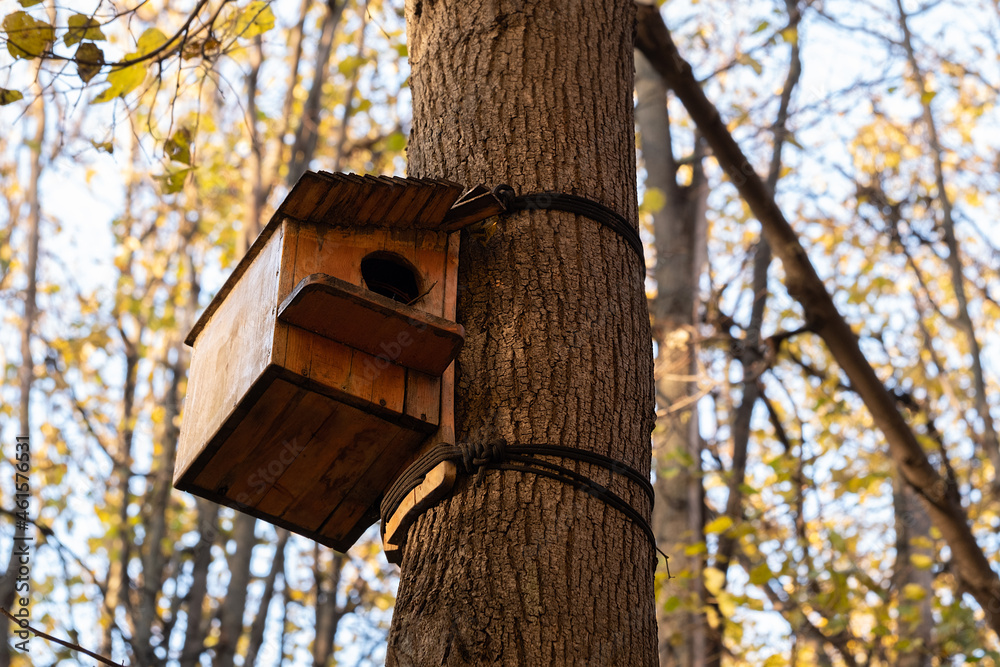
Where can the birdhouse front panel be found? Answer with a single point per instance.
(321, 368)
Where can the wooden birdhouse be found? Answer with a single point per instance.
(323, 365)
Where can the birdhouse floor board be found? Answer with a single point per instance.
(303, 460)
(317, 459)
(340, 311)
(346, 489)
(368, 489)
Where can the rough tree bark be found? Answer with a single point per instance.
(517, 569)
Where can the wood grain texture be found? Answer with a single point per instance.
(521, 570)
(372, 323)
(229, 357)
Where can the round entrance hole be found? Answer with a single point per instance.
(391, 276)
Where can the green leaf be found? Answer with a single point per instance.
(89, 60)
(760, 575)
(173, 181)
(672, 603)
(9, 96)
(106, 146)
(761, 27)
(178, 147)
(255, 19)
(395, 141)
(82, 27)
(27, 37)
(719, 525)
(123, 81)
(927, 96)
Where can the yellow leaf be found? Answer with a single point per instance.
(89, 59)
(914, 592)
(178, 147)
(760, 575)
(149, 41)
(82, 27)
(695, 549)
(255, 19)
(921, 561)
(653, 200)
(27, 37)
(715, 579)
(727, 605)
(123, 81)
(790, 35)
(9, 96)
(719, 525)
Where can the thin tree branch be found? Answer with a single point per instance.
(62, 642)
(942, 499)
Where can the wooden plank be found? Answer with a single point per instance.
(429, 252)
(286, 265)
(321, 453)
(388, 381)
(360, 381)
(436, 485)
(368, 488)
(278, 447)
(359, 444)
(306, 195)
(332, 368)
(444, 196)
(475, 206)
(423, 397)
(231, 352)
(264, 415)
(422, 341)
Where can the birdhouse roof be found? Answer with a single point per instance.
(350, 200)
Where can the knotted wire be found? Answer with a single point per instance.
(475, 458)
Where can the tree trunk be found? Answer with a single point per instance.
(916, 620)
(678, 517)
(26, 373)
(518, 569)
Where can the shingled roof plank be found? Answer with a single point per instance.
(385, 195)
(445, 195)
(306, 194)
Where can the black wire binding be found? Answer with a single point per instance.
(560, 201)
(475, 458)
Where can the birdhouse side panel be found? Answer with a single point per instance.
(230, 354)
